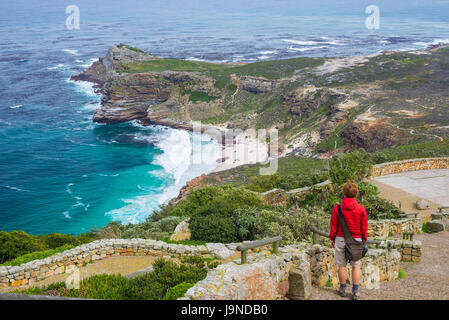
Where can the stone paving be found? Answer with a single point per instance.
(432, 185)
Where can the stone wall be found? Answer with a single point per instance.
(410, 165)
(410, 250)
(388, 227)
(290, 274)
(65, 262)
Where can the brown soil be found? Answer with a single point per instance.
(406, 199)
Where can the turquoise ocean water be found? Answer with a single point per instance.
(61, 173)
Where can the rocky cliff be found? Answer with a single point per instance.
(317, 104)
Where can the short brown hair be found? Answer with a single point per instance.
(350, 190)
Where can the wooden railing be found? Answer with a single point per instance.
(404, 215)
(317, 233)
(258, 243)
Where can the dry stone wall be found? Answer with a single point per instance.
(388, 227)
(65, 262)
(410, 165)
(289, 274)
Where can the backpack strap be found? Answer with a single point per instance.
(344, 226)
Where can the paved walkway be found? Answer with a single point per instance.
(432, 185)
(427, 280)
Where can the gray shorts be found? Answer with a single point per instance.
(339, 253)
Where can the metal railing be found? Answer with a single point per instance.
(258, 243)
(317, 233)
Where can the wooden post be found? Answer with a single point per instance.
(243, 260)
(275, 247)
(315, 238)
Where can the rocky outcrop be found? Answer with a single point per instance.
(373, 135)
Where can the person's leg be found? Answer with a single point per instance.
(355, 281)
(342, 275)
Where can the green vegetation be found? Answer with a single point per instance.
(35, 256)
(426, 149)
(196, 96)
(169, 280)
(329, 283)
(424, 228)
(16, 244)
(121, 45)
(293, 172)
(401, 274)
(178, 291)
(354, 166)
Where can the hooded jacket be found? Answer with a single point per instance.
(355, 216)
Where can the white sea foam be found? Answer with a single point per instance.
(85, 87)
(70, 51)
(58, 66)
(16, 106)
(305, 49)
(88, 62)
(15, 188)
(181, 151)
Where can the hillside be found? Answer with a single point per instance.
(317, 104)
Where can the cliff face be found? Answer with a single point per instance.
(316, 104)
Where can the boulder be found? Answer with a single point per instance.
(182, 231)
(437, 216)
(422, 204)
(435, 226)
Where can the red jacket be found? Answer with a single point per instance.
(355, 216)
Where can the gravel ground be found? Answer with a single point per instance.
(427, 280)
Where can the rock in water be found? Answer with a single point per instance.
(422, 204)
(435, 226)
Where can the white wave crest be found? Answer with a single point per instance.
(16, 106)
(184, 156)
(70, 51)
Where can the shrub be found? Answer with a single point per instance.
(424, 228)
(354, 166)
(250, 223)
(17, 243)
(401, 274)
(55, 240)
(262, 183)
(35, 255)
(166, 274)
(178, 291)
(213, 228)
(102, 286)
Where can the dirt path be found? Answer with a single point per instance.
(123, 265)
(427, 280)
(406, 199)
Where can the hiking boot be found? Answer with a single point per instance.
(355, 295)
(341, 292)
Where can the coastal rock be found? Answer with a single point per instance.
(182, 231)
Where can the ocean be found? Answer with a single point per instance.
(59, 172)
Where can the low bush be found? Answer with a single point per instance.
(213, 228)
(178, 291)
(166, 275)
(15, 244)
(35, 256)
(353, 166)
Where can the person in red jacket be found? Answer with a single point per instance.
(357, 221)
